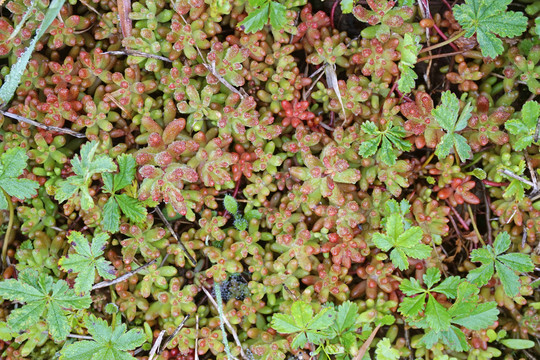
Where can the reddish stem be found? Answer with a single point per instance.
(333, 12)
(437, 29)
(447, 5)
(493, 183)
(237, 186)
(460, 219)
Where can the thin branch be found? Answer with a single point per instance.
(227, 323)
(123, 277)
(517, 177)
(175, 332)
(82, 337)
(42, 126)
(138, 53)
(155, 347)
(367, 343)
(173, 233)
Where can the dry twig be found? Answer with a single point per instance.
(227, 323)
(42, 126)
(123, 277)
(173, 233)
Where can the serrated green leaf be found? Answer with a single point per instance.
(432, 276)
(481, 317)
(278, 15)
(509, 279)
(131, 207)
(445, 146)
(322, 320)
(369, 148)
(111, 216)
(302, 313)
(284, 324)
(108, 344)
(447, 112)
(411, 287)
(517, 262)
(399, 259)
(256, 19)
(411, 306)
(35, 289)
(448, 287)
(501, 244)
(481, 275)
(13, 163)
(84, 166)
(86, 260)
(299, 341)
(346, 316)
(385, 351)
(437, 316)
(126, 171)
(487, 18)
(382, 242)
(455, 339)
(463, 149)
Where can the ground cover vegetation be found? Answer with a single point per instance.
(269, 179)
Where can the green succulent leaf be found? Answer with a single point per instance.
(505, 265)
(488, 19)
(347, 6)
(86, 260)
(230, 203)
(110, 343)
(517, 344)
(41, 295)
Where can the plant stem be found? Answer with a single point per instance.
(439, 56)
(446, 42)
(474, 225)
(7, 236)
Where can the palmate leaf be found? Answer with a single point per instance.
(409, 48)
(488, 19)
(446, 115)
(264, 10)
(13, 163)
(84, 166)
(41, 294)
(405, 243)
(86, 260)
(313, 329)
(109, 343)
(129, 206)
(391, 139)
(505, 265)
(524, 127)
